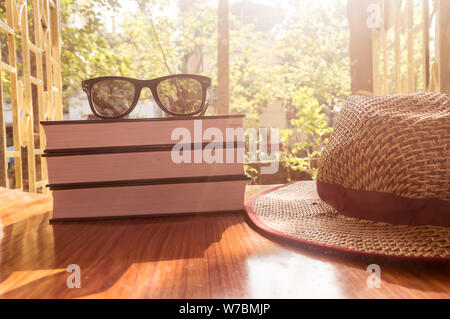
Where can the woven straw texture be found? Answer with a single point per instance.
(297, 211)
(396, 144)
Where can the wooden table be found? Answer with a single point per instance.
(209, 256)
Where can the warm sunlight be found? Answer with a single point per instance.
(253, 150)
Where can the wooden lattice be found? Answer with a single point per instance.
(406, 47)
(30, 34)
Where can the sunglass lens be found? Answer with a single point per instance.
(112, 98)
(181, 95)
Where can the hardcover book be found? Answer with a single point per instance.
(145, 167)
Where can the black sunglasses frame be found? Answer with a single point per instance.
(152, 85)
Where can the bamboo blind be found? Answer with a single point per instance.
(405, 47)
(32, 70)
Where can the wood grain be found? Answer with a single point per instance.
(213, 256)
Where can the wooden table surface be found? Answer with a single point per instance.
(208, 256)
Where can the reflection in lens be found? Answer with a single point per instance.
(112, 98)
(181, 95)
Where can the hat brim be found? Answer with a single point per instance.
(295, 212)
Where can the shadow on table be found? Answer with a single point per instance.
(104, 250)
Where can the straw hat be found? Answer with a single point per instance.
(383, 184)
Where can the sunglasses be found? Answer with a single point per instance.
(179, 94)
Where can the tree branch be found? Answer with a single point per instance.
(159, 43)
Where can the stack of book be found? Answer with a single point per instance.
(138, 167)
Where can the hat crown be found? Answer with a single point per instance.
(398, 144)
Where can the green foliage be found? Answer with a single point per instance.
(313, 49)
(91, 50)
(251, 173)
(87, 50)
(311, 129)
(314, 63)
